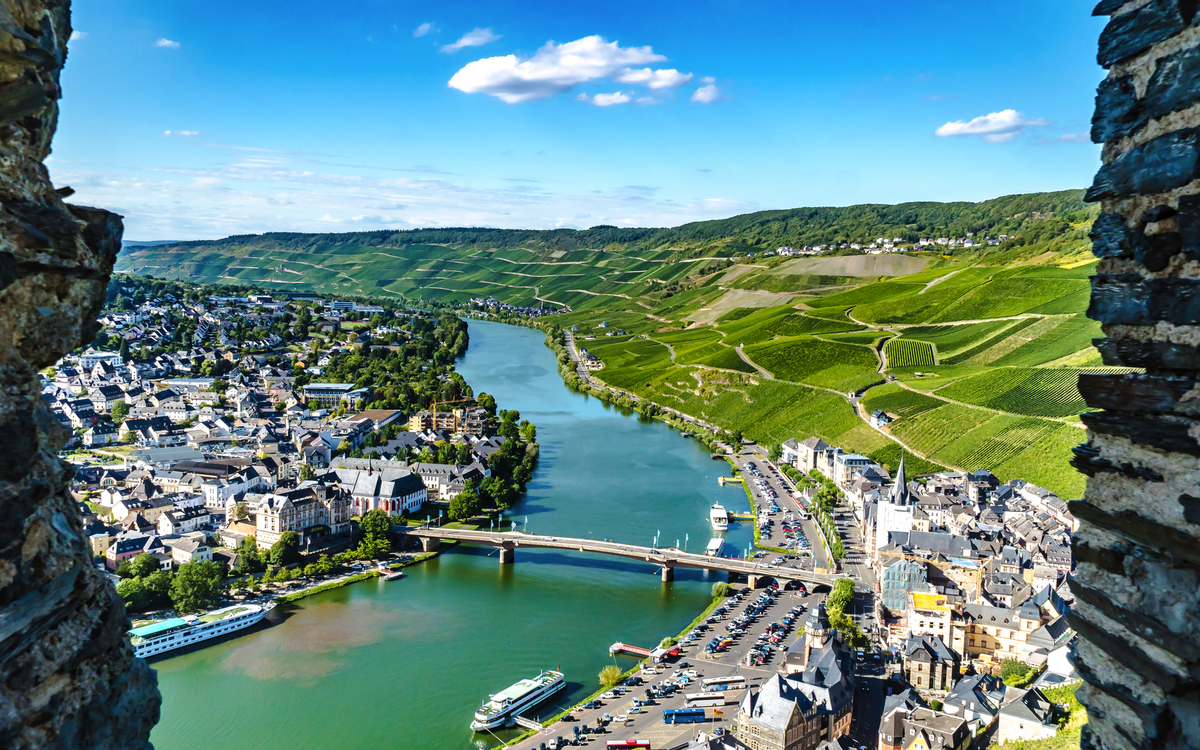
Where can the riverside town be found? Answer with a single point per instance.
(468, 376)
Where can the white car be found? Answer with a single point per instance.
(621, 718)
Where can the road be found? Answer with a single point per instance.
(661, 557)
(783, 489)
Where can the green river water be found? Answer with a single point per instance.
(404, 664)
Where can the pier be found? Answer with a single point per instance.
(666, 559)
(625, 648)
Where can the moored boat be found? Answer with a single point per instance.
(719, 517)
(503, 707)
(177, 632)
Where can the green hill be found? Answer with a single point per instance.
(984, 343)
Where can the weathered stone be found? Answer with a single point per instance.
(1171, 434)
(1152, 355)
(68, 678)
(1188, 220)
(1175, 83)
(1110, 237)
(1164, 163)
(1087, 461)
(1138, 392)
(1108, 7)
(1118, 111)
(1136, 31)
(1128, 299)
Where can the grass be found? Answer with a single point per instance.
(899, 402)
(328, 586)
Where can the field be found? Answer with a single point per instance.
(907, 353)
(1021, 390)
(828, 364)
(899, 402)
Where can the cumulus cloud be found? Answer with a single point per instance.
(708, 93)
(608, 100)
(557, 68)
(425, 29)
(473, 38)
(168, 43)
(666, 78)
(1075, 138)
(77, 36)
(997, 127)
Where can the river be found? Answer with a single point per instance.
(405, 663)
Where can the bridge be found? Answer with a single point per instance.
(666, 559)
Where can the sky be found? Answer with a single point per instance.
(203, 121)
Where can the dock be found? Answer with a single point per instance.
(625, 648)
(741, 516)
(728, 480)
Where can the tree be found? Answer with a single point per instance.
(133, 592)
(158, 587)
(720, 590)
(465, 504)
(775, 452)
(287, 550)
(120, 411)
(197, 586)
(306, 472)
(125, 569)
(124, 350)
(610, 676)
(375, 524)
(144, 565)
(249, 557)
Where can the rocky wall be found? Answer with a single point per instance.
(1138, 548)
(68, 678)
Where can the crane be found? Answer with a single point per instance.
(435, 404)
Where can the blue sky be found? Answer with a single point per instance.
(363, 114)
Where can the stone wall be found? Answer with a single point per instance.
(68, 678)
(1138, 549)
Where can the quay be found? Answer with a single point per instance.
(625, 648)
(667, 559)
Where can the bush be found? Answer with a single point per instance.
(1016, 674)
(720, 590)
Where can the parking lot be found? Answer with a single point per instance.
(758, 624)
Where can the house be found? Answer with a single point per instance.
(808, 454)
(976, 698)
(1026, 715)
(394, 491)
(879, 418)
(105, 397)
(101, 433)
(182, 520)
(333, 394)
(923, 729)
(189, 549)
(928, 664)
(313, 510)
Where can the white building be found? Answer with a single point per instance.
(895, 510)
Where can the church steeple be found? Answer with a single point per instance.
(900, 494)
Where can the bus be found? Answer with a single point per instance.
(683, 715)
(705, 700)
(730, 682)
(628, 743)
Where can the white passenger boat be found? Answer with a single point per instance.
(503, 707)
(168, 635)
(715, 545)
(718, 517)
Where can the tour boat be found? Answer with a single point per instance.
(177, 632)
(718, 517)
(715, 545)
(503, 707)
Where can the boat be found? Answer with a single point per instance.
(389, 574)
(177, 632)
(503, 707)
(718, 517)
(715, 545)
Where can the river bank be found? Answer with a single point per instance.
(407, 662)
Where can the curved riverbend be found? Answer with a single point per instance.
(405, 663)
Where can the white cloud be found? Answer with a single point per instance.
(169, 133)
(607, 100)
(553, 69)
(189, 132)
(997, 127)
(164, 42)
(646, 101)
(474, 38)
(77, 36)
(708, 93)
(666, 78)
(426, 29)
(1076, 138)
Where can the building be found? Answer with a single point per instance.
(976, 698)
(188, 550)
(895, 510)
(900, 577)
(928, 664)
(331, 395)
(810, 704)
(313, 510)
(1026, 715)
(182, 520)
(394, 491)
(923, 729)
(102, 433)
(809, 454)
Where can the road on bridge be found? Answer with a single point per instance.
(666, 558)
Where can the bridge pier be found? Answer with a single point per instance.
(428, 544)
(507, 555)
(752, 581)
(668, 573)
